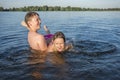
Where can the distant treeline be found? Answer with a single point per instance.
(57, 8)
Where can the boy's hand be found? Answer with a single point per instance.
(25, 25)
(69, 46)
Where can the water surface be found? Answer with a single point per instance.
(96, 40)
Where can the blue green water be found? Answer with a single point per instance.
(96, 40)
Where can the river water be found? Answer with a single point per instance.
(95, 56)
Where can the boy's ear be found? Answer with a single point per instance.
(29, 23)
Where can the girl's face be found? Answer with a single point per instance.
(59, 44)
(35, 22)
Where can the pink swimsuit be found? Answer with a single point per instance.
(48, 36)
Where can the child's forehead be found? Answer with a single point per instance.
(59, 40)
(34, 17)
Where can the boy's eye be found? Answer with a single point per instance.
(37, 19)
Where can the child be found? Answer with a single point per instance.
(32, 23)
(38, 41)
(58, 43)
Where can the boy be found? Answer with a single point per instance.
(32, 23)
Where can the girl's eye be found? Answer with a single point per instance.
(56, 43)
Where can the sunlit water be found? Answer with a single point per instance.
(95, 56)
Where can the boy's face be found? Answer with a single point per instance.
(59, 44)
(35, 22)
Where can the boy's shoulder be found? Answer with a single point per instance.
(35, 34)
(39, 36)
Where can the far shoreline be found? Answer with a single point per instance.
(56, 8)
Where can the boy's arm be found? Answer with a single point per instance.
(25, 25)
(69, 46)
(42, 43)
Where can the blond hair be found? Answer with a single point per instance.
(58, 35)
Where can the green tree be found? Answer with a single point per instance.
(45, 8)
(1, 8)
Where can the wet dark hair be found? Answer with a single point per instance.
(29, 15)
(59, 35)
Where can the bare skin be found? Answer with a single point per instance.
(58, 45)
(35, 40)
(46, 29)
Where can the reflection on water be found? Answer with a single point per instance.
(37, 57)
(56, 59)
(25, 65)
(47, 65)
